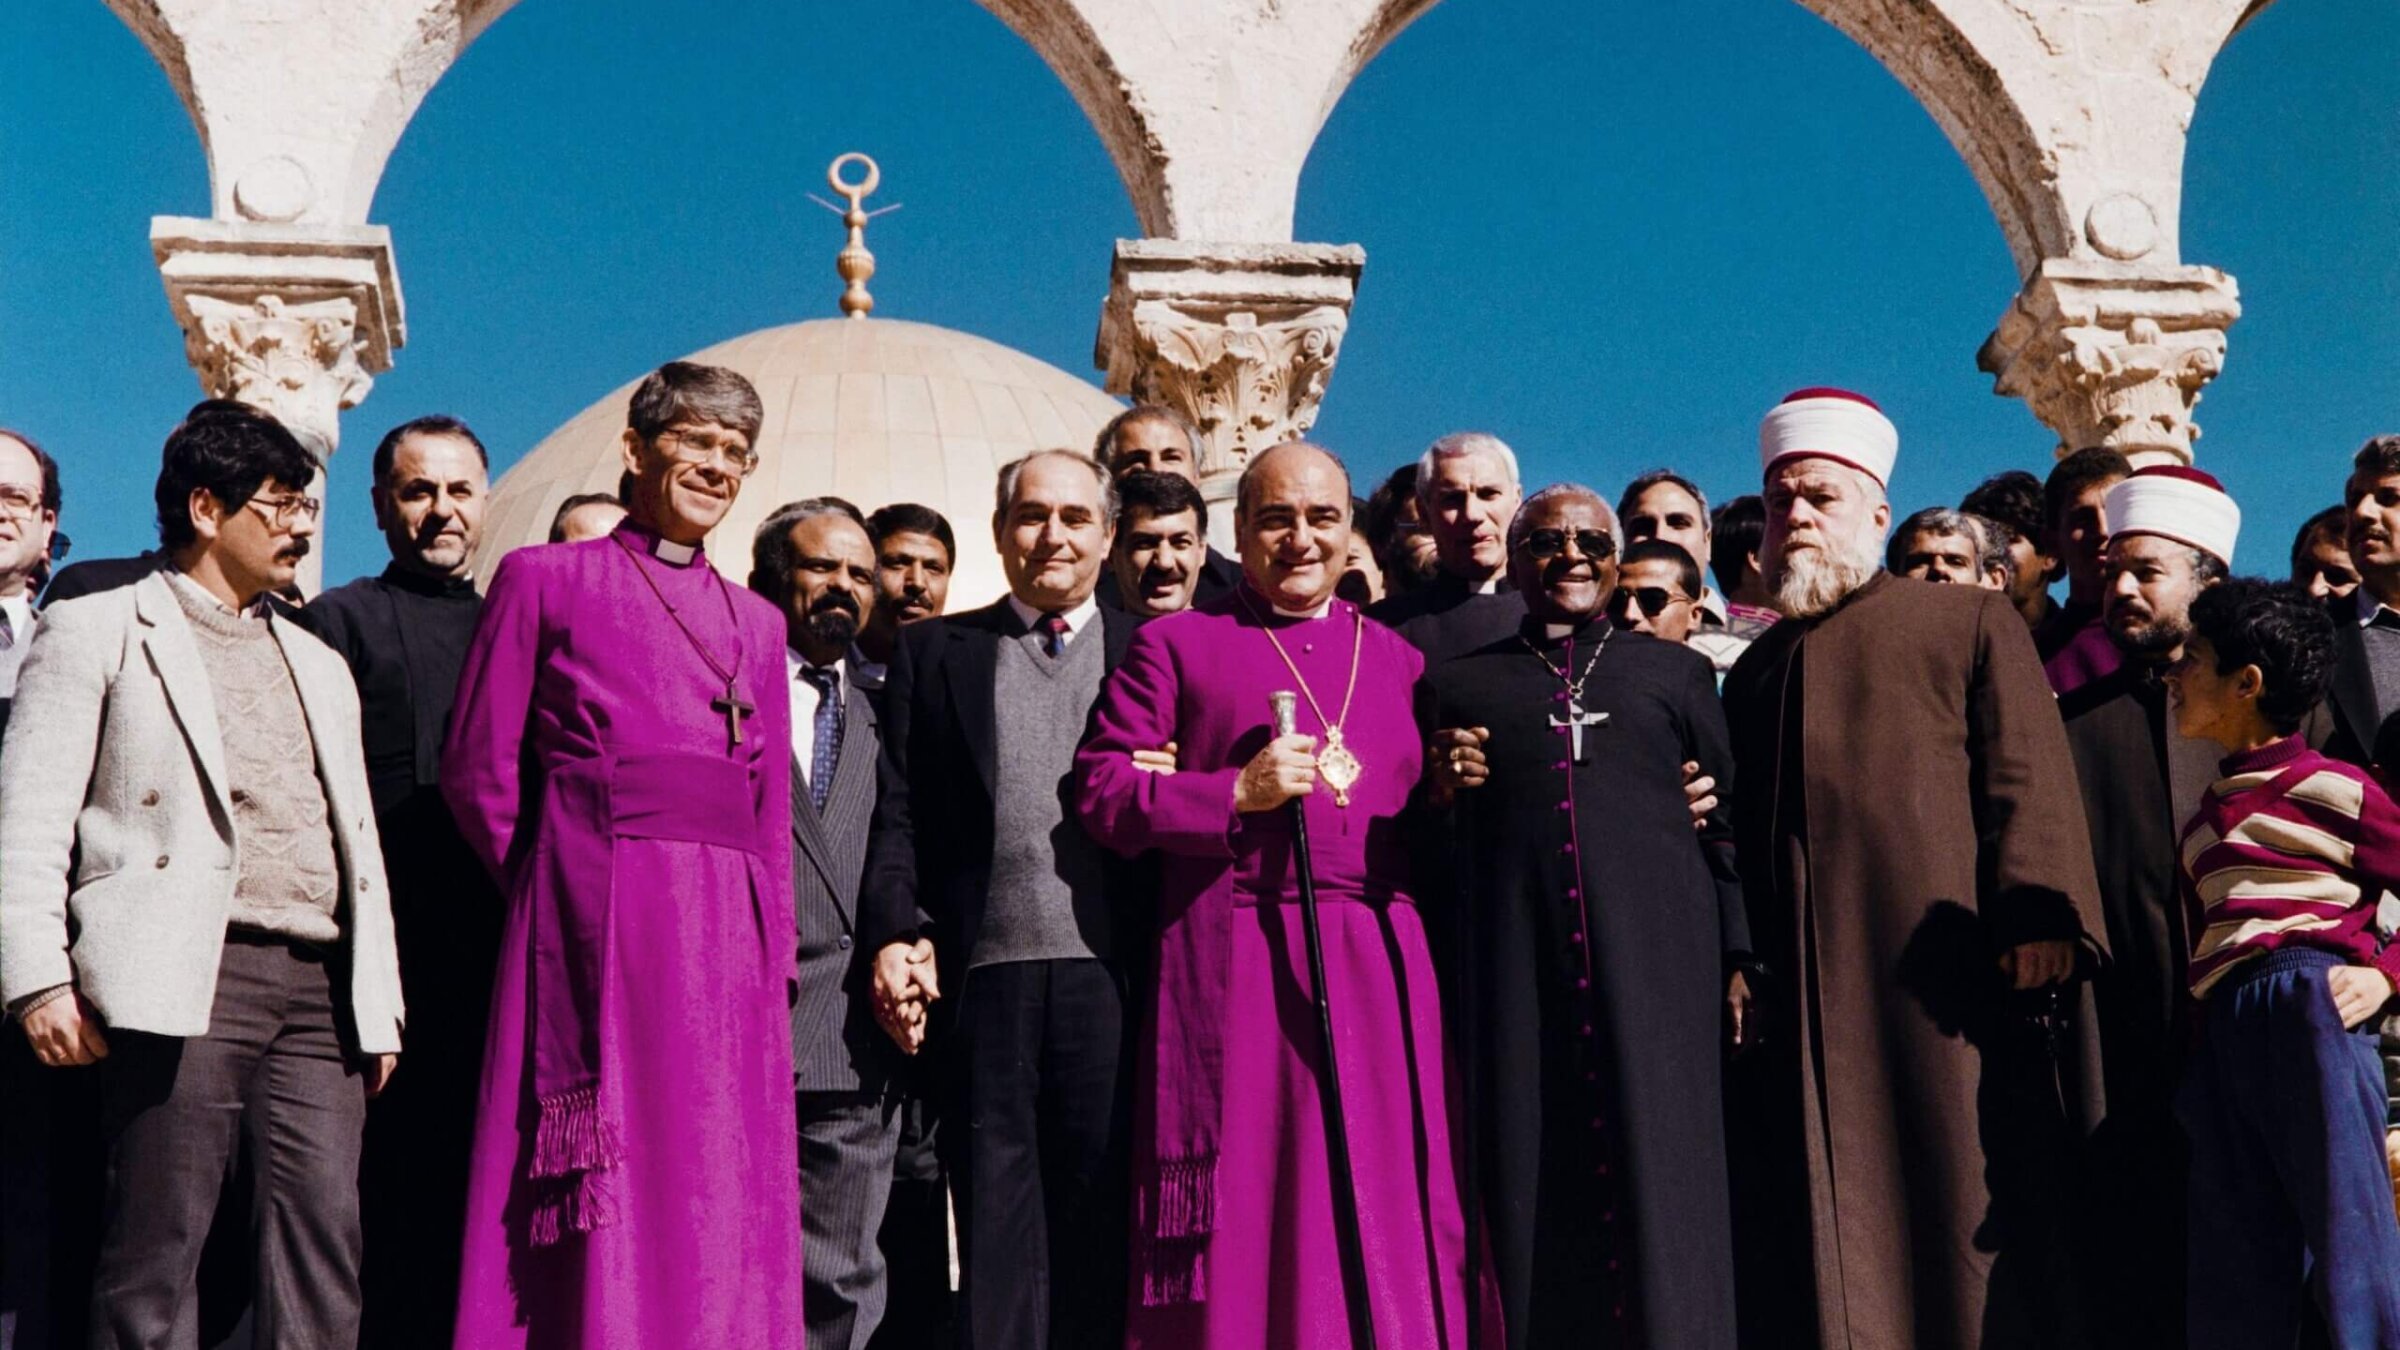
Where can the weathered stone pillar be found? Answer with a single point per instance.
(295, 319)
(1240, 338)
(2114, 354)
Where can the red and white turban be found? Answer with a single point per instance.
(2173, 502)
(1830, 424)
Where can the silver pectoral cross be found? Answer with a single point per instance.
(1574, 723)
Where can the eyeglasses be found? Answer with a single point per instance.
(686, 448)
(20, 502)
(1546, 544)
(282, 511)
(1653, 599)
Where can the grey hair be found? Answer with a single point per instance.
(1104, 446)
(1987, 536)
(1517, 524)
(1006, 495)
(1459, 443)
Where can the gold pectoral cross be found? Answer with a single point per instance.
(1574, 723)
(735, 709)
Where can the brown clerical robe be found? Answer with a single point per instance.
(1905, 812)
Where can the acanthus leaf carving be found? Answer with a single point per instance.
(2115, 355)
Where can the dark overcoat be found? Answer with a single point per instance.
(1906, 812)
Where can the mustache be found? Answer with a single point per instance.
(293, 551)
(834, 602)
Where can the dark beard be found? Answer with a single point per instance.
(833, 627)
(2153, 640)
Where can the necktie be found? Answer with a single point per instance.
(828, 752)
(1054, 635)
(8, 631)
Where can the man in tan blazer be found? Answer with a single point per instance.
(192, 894)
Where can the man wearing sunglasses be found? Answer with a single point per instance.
(194, 894)
(1597, 942)
(1657, 591)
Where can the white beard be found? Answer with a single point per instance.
(1812, 579)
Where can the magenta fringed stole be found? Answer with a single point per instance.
(1175, 1181)
(577, 1134)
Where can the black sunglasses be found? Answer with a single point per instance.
(1653, 599)
(1546, 544)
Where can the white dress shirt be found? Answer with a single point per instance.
(1077, 618)
(805, 699)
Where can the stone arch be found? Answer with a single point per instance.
(297, 132)
(2071, 116)
(1208, 107)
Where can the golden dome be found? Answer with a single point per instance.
(873, 410)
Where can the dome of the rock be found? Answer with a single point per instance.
(872, 410)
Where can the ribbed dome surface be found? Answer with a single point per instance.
(874, 410)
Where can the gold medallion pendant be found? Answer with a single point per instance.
(1338, 767)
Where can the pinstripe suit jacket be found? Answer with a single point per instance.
(836, 1045)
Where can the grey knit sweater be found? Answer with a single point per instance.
(290, 879)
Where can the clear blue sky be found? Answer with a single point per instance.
(1612, 234)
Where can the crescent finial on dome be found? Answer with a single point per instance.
(854, 263)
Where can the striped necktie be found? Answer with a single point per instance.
(828, 752)
(1054, 635)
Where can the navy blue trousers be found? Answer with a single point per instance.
(2289, 1191)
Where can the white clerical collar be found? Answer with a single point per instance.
(665, 550)
(1316, 611)
(1076, 618)
(1488, 586)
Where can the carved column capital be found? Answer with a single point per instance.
(2115, 354)
(1241, 338)
(297, 320)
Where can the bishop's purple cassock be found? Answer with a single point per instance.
(635, 1177)
(1233, 1236)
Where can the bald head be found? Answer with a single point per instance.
(1292, 521)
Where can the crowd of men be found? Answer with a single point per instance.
(1448, 920)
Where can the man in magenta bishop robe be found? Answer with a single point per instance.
(1233, 1231)
(620, 757)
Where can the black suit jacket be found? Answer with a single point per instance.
(2356, 718)
(929, 862)
(836, 1044)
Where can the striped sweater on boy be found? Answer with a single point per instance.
(2288, 849)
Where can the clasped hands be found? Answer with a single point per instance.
(906, 984)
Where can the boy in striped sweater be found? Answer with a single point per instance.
(2284, 1098)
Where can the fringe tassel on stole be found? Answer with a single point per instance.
(1180, 1215)
(575, 1150)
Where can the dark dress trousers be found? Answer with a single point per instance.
(842, 1063)
(405, 639)
(1056, 1148)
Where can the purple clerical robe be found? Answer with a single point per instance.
(1233, 1227)
(635, 1179)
